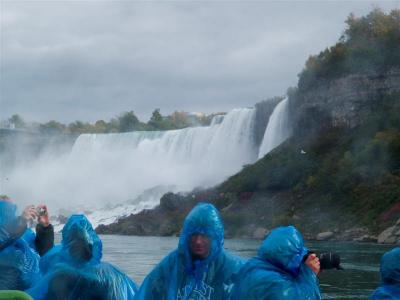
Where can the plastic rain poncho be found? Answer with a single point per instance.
(73, 270)
(277, 273)
(19, 263)
(390, 274)
(180, 277)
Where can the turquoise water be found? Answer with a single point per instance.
(137, 256)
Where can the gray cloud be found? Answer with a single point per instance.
(94, 59)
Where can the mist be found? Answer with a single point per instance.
(103, 169)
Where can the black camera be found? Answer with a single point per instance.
(327, 260)
(40, 211)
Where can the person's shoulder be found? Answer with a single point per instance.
(52, 257)
(231, 261)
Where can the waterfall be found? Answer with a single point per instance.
(112, 168)
(278, 129)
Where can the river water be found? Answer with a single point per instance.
(138, 255)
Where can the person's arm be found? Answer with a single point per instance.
(44, 233)
(44, 238)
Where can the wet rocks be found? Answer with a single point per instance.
(324, 236)
(390, 235)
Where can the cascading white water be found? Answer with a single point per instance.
(111, 168)
(217, 119)
(278, 129)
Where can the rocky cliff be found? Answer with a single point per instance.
(342, 102)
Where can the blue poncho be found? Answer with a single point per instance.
(178, 276)
(73, 270)
(19, 263)
(390, 274)
(277, 273)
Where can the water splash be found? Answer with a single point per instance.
(112, 168)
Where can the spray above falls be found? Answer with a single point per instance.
(112, 168)
(137, 168)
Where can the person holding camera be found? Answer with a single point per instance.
(17, 227)
(19, 263)
(283, 270)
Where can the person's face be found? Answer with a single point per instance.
(200, 245)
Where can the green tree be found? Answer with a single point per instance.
(52, 127)
(369, 45)
(156, 120)
(128, 122)
(100, 126)
(17, 121)
(79, 127)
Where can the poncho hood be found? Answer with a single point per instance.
(284, 248)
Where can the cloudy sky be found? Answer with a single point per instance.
(90, 60)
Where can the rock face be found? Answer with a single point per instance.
(164, 220)
(353, 234)
(341, 102)
(390, 235)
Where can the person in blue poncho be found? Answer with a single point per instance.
(12, 227)
(200, 268)
(74, 270)
(283, 270)
(390, 276)
(19, 261)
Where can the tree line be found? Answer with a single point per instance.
(124, 122)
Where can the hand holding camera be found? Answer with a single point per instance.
(43, 215)
(39, 213)
(312, 261)
(322, 261)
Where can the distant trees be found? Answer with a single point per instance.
(156, 121)
(124, 122)
(52, 127)
(369, 44)
(128, 122)
(17, 121)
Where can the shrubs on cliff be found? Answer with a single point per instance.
(357, 169)
(370, 44)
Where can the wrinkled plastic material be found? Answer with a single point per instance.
(7, 215)
(277, 273)
(19, 263)
(73, 270)
(390, 274)
(29, 236)
(180, 277)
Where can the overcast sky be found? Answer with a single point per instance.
(90, 60)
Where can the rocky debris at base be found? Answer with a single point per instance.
(250, 219)
(366, 239)
(353, 234)
(356, 234)
(390, 235)
(324, 236)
